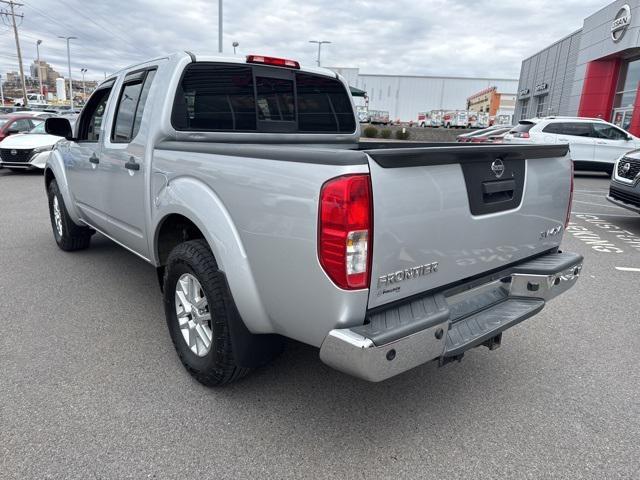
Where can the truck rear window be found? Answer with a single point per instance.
(231, 97)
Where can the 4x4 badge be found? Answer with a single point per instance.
(497, 167)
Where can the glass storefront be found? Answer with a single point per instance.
(626, 93)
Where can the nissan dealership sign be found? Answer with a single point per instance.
(620, 23)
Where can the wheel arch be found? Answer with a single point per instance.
(189, 207)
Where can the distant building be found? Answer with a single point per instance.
(403, 96)
(49, 75)
(490, 101)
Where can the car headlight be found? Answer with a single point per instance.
(43, 149)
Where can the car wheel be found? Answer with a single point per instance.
(198, 308)
(67, 234)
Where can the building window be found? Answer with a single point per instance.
(524, 106)
(627, 85)
(541, 108)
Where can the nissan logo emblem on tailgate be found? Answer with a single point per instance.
(497, 167)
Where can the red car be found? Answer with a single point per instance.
(16, 123)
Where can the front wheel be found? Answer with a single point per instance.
(66, 233)
(198, 309)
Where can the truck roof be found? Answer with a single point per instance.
(221, 58)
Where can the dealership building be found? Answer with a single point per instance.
(403, 96)
(593, 72)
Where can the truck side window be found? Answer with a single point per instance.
(215, 97)
(90, 120)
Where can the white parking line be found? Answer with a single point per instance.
(598, 192)
(628, 269)
(603, 214)
(597, 204)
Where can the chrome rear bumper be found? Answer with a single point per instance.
(450, 322)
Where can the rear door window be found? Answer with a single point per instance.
(577, 129)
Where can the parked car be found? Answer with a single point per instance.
(624, 190)
(594, 143)
(244, 184)
(13, 123)
(466, 137)
(456, 119)
(27, 151)
(492, 136)
(496, 137)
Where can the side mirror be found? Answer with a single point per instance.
(60, 127)
(12, 131)
(629, 137)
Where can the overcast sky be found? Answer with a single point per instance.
(437, 37)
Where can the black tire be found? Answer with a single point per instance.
(218, 366)
(73, 237)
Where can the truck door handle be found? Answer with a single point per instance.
(132, 165)
(93, 159)
(601, 142)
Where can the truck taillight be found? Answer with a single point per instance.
(568, 219)
(345, 231)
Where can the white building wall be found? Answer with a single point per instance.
(404, 96)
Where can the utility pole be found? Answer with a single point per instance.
(220, 26)
(1, 92)
(13, 15)
(69, 65)
(39, 67)
(319, 42)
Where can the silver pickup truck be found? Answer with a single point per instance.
(243, 182)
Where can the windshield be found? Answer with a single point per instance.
(3, 121)
(38, 128)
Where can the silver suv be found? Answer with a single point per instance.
(594, 143)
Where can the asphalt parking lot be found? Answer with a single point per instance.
(90, 385)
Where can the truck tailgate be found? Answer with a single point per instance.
(444, 214)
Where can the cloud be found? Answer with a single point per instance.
(432, 37)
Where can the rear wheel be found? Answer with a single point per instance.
(198, 311)
(66, 233)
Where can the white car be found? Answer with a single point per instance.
(594, 143)
(27, 151)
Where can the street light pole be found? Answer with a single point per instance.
(1, 92)
(319, 42)
(84, 95)
(39, 68)
(235, 45)
(69, 65)
(220, 26)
